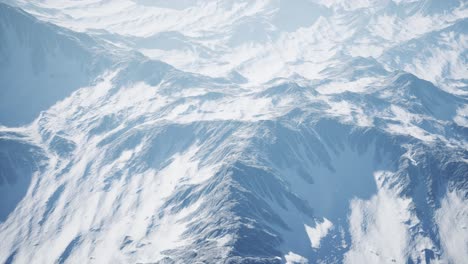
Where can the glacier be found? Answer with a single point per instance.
(221, 131)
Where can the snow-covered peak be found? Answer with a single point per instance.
(282, 38)
(267, 131)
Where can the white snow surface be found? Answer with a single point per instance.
(222, 131)
(452, 219)
(317, 233)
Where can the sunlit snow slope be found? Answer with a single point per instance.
(267, 131)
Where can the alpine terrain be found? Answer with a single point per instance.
(234, 131)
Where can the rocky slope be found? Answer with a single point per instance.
(225, 131)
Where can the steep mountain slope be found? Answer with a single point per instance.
(445, 51)
(298, 151)
(41, 64)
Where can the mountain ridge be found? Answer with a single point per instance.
(149, 162)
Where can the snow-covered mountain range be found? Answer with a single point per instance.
(221, 131)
